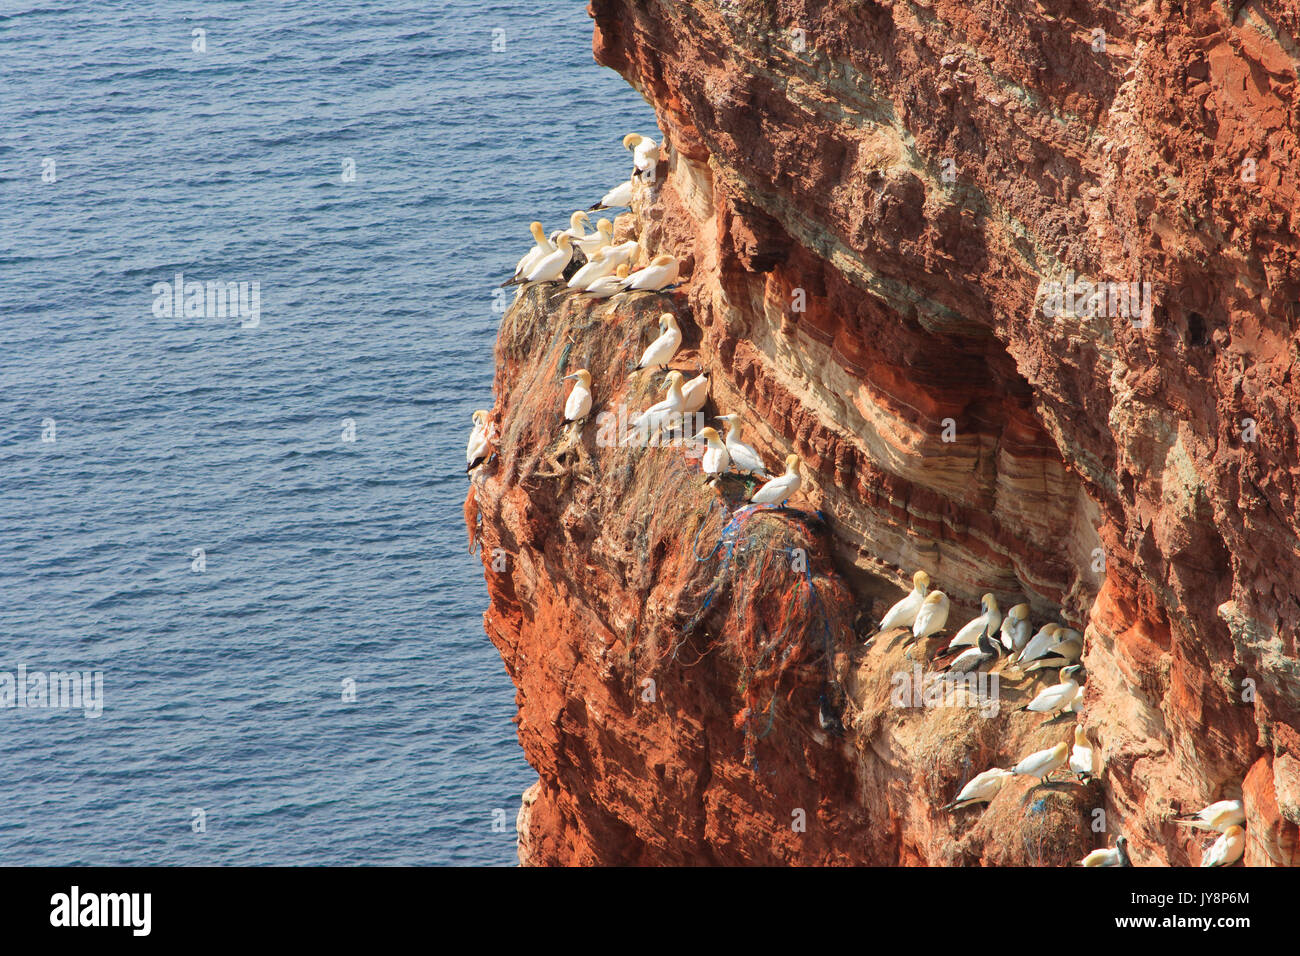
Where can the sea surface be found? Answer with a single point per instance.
(244, 525)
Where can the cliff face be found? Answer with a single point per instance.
(874, 202)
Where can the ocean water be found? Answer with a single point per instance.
(225, 736)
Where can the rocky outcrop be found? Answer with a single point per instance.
(877, 206)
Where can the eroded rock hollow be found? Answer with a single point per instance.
(877, 205)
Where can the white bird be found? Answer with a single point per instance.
(903, 614)
(780, 488)
(552, 267)
(598, 266)
(1061, 654)
(662, 413)
(578, 404)
(1054, 699)
(981, 789)
(624, 252)
(1038, 644)
(985, 623)
(661, 350)
(743, 457)
(1217, 816)
(1081, 753)
(716, 460)
(600, 239)
(645, 151)
(619, 196)
(541, 247)
(1227, 849)
(1117, 856)
(932, 616)
(576, 229)
(606, 286)
(1015, 628)
(480, 441)
(694, 394)
(1041, 763)
(660, 273)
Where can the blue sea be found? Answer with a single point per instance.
(245, 525)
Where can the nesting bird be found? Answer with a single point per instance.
(1052, 700)
(541, 247)
(659, 274)
(578, 405)
(1061, 654)
(695, 393)
(645, 152)
(601, 238)
(932, 616)
(618, 197)
(1116, 856)
(661, 351)
(973, 658)
(1043, 763)
(1217, 816)
(903, 614)
(551, 267)
(986, 623)
(1081, 753)
(743, 457)
(480, 441)
(1038, 644)
(1015, 628)
(981, 789)
(577, 228)
(1227, 849)
(662, 413)
(607, 286)
(716, 461)
(598, 266)
(780, 488)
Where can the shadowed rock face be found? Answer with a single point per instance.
(872, 213)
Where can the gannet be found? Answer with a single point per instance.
(780, 488)
(981, 789)
(986, 623)
(1227, 849)
(645, 151)
(606, 286)
(575, 230)
(619, 196)
(552, 267)
(578, 404)
(1059, 655)
(932, 616)
(623, 252)
(542, 247)
(1081, 753)
(602, 237)
(1038, 644)
(657, 415)
(660, 273)
(903, 614)
(1217, 816)
(716, 460)
(1041, 763)
(1052, 700)
(1015, 628)
(695, 393)
(661, 350)
(973, 658)
(479, 441)
(1118, 856)
(597, 266)
(743, 457)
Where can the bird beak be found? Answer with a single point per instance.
(567, 377)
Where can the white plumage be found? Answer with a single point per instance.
(986, 622)
(981, 789)
(659, 274)
(695, 393)
(932, 616)
(1054, 699)
(780, 488)
(743, 457)
(716, 461)
(1041, 763)
(661, 350)
(1217, 816)
(619, 196)
(1081, 753)
(1227, 849)
(1016, 628)
(578, 404)
(552, 266)
(480, 440)
(662, 413)
(903, 614)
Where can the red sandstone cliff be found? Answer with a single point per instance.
(915, 175)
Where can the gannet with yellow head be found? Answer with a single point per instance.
(1217, 816)
(1081, 753)
(659, 274)
(1227, 849)
(743, 457)
(541, 247)
(606, 286)
(695, 393)
(932, 616)
(661, 351)
(1117, 856)
(1016, 628)
(1052, 700)
(663, 413)
(480, 441)
(903, 614)
(1042, 763)
(602, 237)
(578, 404)
(782, 487)
(597, 267)
(552, 267)
(645, 151)
(981, 789)
(987, 622)
(716, 461)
